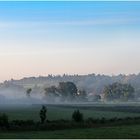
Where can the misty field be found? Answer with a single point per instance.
(61, 111)
(55, 112)
(117, 132)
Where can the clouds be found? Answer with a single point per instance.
(90, 22)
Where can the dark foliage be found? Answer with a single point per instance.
(30, 125)
(77, 116)
(118, 91)
(93, 121)
(68, 90)
(64, 91)
(103, 120)
(23, 122)
(43, 112)
(28, 92)
(4, 121)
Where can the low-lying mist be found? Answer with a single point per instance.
(59, 89)
(9, 96)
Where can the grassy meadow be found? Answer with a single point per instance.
(56, 112)
(117, 132)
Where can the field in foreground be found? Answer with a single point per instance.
(122, 132)
(56, 112)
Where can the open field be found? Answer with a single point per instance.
(61, 111)
(128, 132)
(56, 112)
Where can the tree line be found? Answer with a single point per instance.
(68, 91)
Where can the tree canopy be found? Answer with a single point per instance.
(118, 91)
(67, 90)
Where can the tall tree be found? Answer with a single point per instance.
(42, 114)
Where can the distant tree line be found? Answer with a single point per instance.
(91, 83)
(68, 91)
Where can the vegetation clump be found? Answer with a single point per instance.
(28, 92)
(118, 91)
(43, 112)
(4, 121)
(77, 116)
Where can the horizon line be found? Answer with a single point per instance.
(61, 75)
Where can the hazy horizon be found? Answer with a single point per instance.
(41, 38)
(67, 74)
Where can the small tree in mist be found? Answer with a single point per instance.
(28, 92)
(43, 112)
(77, 116)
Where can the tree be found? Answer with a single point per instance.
(118, 91)
(28, 92)
(77, 116)
(51, 93)
(68, 90)
(43, 112)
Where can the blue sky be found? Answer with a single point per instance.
(38, 38)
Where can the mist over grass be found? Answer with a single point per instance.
(14, 91)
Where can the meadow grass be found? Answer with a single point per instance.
(31, 112)
(117, 132)
(61, 112)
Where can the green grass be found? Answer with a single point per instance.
(63, 112)
(55, 113)
(129, 132)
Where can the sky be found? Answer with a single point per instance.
(41, 38)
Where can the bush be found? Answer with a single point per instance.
(4, 121)
(93, 120)
(103, 120)
(115, 119)
(23, 122)
(77, 116)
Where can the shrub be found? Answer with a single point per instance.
(93, 120)
(77, 116)
(4, 121)
(103, 120)
(23, 122)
